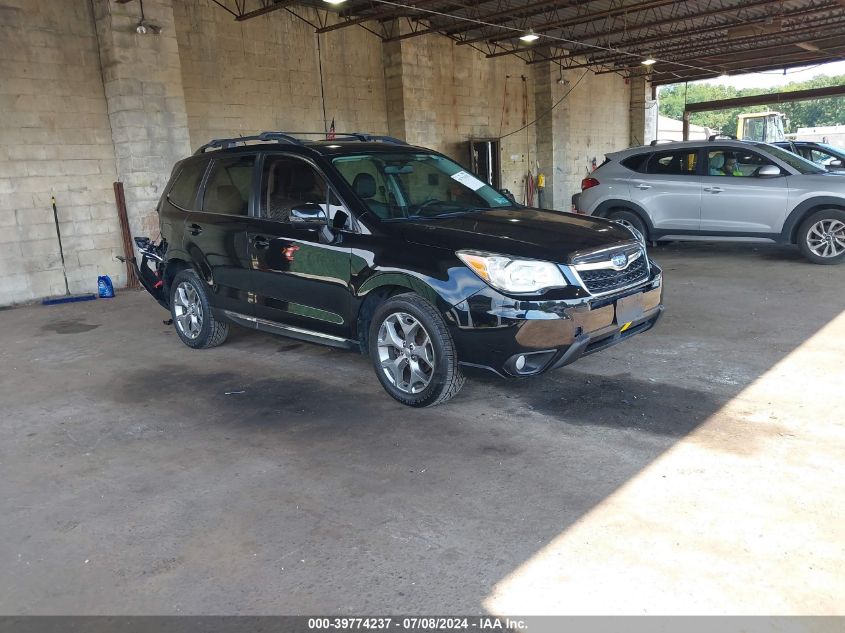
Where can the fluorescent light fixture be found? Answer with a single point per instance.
(649, 61)
(531, 36)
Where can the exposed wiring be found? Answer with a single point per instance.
(556, 104)
(541, 35)
(504, 105)
(322, 90)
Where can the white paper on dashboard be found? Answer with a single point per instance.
(468, 179)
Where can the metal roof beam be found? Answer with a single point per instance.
(516, 13)
(628, 28)
(668, 41)
(766, 99)
(674, 77)
(378, 15)
(268, 8)
(727, 47)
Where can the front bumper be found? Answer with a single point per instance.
(514, 337)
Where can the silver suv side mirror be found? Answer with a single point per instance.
(768, 171)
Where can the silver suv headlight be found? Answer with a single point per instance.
(510, 274)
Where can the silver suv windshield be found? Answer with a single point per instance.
(802, 165)
(403, 185)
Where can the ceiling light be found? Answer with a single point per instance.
(531, 36)
(334, 1)
(649, 61)
(144, 26)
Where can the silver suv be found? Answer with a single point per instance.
(724, 189)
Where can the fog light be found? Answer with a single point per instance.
(520, 363)
(658, 279)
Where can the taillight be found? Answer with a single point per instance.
(588, 182)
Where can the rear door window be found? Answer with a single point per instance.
(183, 193)
(676, 163)
(229, 185)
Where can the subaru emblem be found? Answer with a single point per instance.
(619, 261)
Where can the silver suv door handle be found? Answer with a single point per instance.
(643, 186)
(714, 189)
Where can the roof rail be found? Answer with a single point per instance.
(658, 141)
(289, 138)
(369, 138)
(713, 137)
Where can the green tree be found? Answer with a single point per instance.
(816, 112)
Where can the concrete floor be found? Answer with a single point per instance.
(699, 468)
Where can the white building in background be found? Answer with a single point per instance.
(833, 134)
(669, 129)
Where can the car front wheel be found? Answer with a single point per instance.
(413, 353)
(821, 237)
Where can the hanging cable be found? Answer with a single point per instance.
(555, 38)
(556, 104)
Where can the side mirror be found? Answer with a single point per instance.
(309, 215)
(835, 165)
(768, 171)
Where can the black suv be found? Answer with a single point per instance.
(366, 242)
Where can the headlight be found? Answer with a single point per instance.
(513, 275)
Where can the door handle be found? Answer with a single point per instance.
(259, 241)
(714, 189)
(643, 186)
(196, 229)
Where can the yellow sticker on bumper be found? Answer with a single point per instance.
(626, 326)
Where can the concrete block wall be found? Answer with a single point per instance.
(643, 111)
(264, 74)
(450, 94)
(142, 78)
(85, 101)
(592, 120)
(55, 139)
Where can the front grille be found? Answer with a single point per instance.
(602, 280)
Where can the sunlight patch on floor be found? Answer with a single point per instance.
(731, 520)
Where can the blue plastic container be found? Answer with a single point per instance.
(105, 287)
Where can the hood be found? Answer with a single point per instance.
(530, 233)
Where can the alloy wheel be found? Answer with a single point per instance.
(187, 309)
(826, 238)
(406, 353)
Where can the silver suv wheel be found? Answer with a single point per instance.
(405, 352)
(826, 238)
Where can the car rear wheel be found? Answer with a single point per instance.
(821, 237)
(191, 312)
(413, 353)
(630, 220)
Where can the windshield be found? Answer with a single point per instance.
(397, 186)
(802, 165)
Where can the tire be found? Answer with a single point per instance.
(812, 237)
(631, 219)
(427, 352)
(200, 329)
